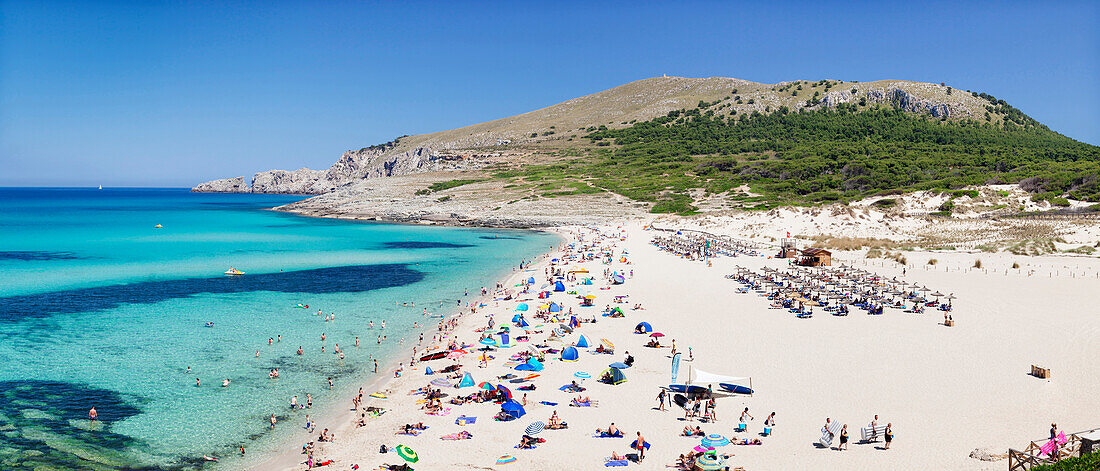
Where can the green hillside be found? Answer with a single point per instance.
(821, 155)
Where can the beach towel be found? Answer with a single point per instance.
(463, 420)
(1048, 448)
(529, 447)
(412, 433)
(457, 436)
(441, 413)
(634, 445)
(611, 463)
(548, 403)
(605, 435)
(581, 404)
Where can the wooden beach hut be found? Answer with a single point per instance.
(814, 257)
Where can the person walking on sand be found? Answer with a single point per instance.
(874, 426)
(661, 399)
(639, 444)
(745, 413)
(843, 438)
(889, 434)
(1054, 438)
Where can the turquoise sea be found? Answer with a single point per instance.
(100, 308)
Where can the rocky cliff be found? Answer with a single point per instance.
(225, 185)
(478, 145)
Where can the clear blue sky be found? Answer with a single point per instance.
(145, 93)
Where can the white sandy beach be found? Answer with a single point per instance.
(946, 390)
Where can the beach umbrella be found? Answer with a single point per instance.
(710, 462)
(582, 375)
(522, 307)
(703, 449)
(488, 341)
(486, 386)
(407, 453)
(535, 428)
(531, 376)
(441, 382)
(620, 365)
(507, 393)
(715, 440)
(656, 334)
(590, 297)
(506, 459)
(456, 355)
(608, 343)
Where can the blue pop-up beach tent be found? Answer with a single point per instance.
(570, 354)
(467, 380)
(531, 280)
(582, 342)
(428, 371)
(534, 364)
(646, 328)
(587, 281)
(613, 375)
(504, 342)
(559, 286)
(554, 307)
(513, 409)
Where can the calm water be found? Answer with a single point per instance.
(99, 307)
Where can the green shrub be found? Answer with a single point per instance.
(1090, 462)
(885, 202)
(1059, 201)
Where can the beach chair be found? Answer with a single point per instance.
(872, 435)
(827, 435)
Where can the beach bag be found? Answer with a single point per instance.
(382, 449)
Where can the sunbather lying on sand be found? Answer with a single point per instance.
(693, 432)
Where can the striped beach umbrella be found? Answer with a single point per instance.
(710, 462)
(441, 382)
(715, 440)
(407, 453)
(488, 341)
(582, 375)
(506, 459)
(535, 428)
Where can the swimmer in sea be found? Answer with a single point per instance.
(197, 383)
(225, 383)
(372, 325)
(357, 341)
(299, 349)
(322, 336)
(92, 414)
(383, 324)
(270, 340)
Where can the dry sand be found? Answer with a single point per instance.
(946, 390)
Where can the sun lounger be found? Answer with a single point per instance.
(870, 435)
(828, 434)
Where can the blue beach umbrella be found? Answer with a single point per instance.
(521, 307)
(715, 440)
(582, 375)
(620, 365)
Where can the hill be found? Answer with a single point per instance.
(560, 126)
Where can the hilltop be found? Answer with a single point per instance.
(561, 126)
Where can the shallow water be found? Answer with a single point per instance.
(98, 307)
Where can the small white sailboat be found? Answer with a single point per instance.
(233, 272)
(100, 187)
